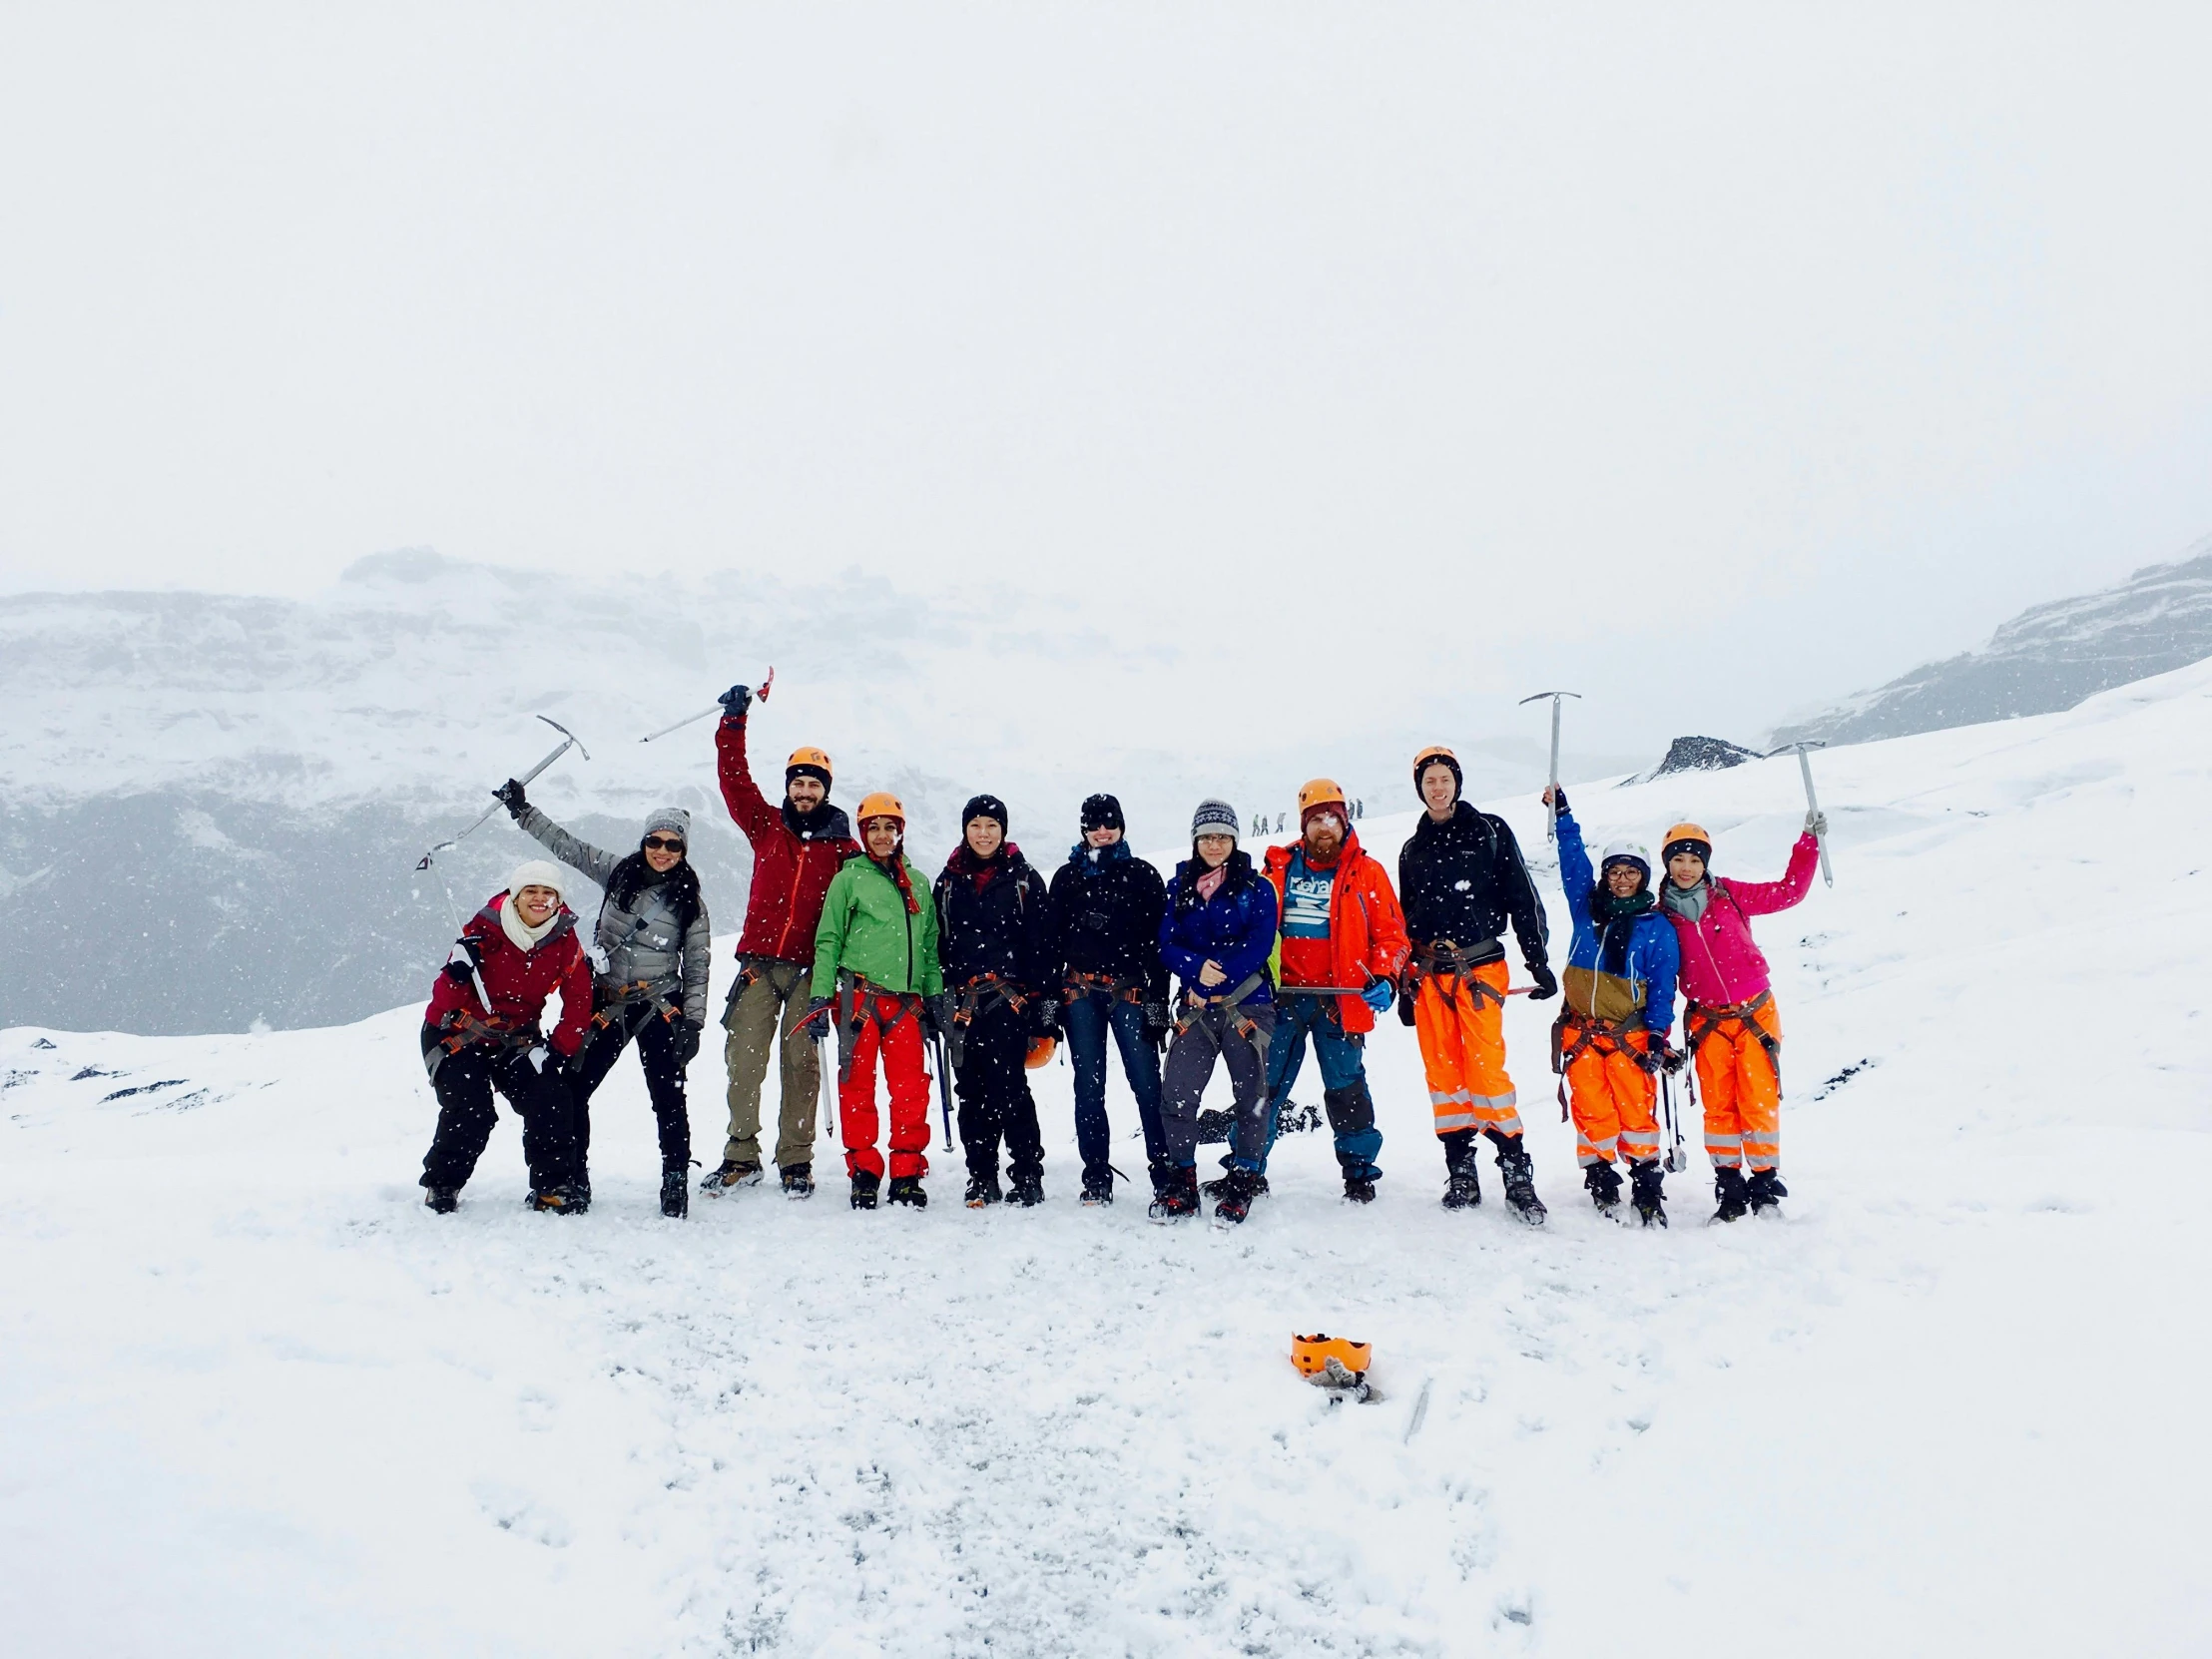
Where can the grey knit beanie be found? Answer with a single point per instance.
(1213, 818)
(672, 819)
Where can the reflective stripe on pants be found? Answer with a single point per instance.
(1462, 1050)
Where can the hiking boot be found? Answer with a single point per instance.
(1728, 1188)
(1359, 1188)
(675, 1195)
(1765, 1191)
(982, 1191)
(442, 1200)
(1098, 1189)
(1219, 1186)
(863, 1189)
(1240, 1188)
(1518, 1171)
(731, 1174)
(1462, 1185)
(1647, 1192)
(1177, 1196)
(1604, 1184)
(799, 1181)
(907, 1189)
(548, 1199)
(1027, 1191)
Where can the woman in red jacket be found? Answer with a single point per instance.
(517, 950)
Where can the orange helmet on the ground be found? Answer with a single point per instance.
(1688, 837)
(1041, 1050)
(882, 804)
(1311, 1354)
(1428, 757)
(808, 762)
(1319, 792)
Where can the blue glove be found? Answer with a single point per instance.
(1377, 995)
(734, 702)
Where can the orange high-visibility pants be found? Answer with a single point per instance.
(1463, 1050)
(1610, 1096)
(1741, 1090)
(894, 1032)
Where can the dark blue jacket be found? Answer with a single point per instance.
(1236, 928)
(1643, 952)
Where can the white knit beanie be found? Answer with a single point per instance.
(537, 872)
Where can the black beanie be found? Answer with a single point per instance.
(1102, 811)
(806, 770)
(984, 805)
(1458, 780)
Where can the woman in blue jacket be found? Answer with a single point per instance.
(1610, 1041)
(1217, 937)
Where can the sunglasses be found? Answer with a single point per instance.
(661, 843)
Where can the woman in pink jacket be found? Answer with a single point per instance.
(1729, 1023)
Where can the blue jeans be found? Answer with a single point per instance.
(1086, 1020)
(1344, 1077)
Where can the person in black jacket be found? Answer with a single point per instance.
(1460, 877)
(994, 938)
(1106, 910)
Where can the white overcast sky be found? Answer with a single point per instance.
(1719, 359)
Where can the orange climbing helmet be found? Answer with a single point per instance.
(1311, 1355)
(882, 804)
(807, 762)
(1430, 756)
(1041, 1050)
(1320, 793)
(1688, 837)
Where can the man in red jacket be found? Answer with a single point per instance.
(519, 949)
(797, 848)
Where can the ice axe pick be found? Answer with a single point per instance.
(1812, 800)
(760, 695)
(1551, 824)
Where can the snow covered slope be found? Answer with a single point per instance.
(199, 792)
(255, 1399)
(2048, 657)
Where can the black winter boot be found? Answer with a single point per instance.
(731, 1174)
(1359, 1188)
(1604, 1183)
(1647, 1191)
(675, 1195)
(1098, 1189)
(1026, 1190)
(799, 1181)
(907, 1189)
(982, 1191)
(1178, 1196)
(1728, 1187)
(863, 1190)
(1763, 1192)
(442, 1200)
(1463, 1185)
(1220, 1185)
(1240, 1188)
(1518, 1171)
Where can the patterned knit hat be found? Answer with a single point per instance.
(1214, 817)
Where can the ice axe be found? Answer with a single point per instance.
(1812, 800)
(1551, 824)
(569, 740)
(759, 694)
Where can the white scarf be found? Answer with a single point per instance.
(520, 933)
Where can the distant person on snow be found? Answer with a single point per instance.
(1344, 937)
(878, 978)
(654, 935)
(1731, 1029)
(798, 847)
(1462, 880)
(994, 942)
(1107, 904)
(1217, 937)
(1610, 1042)
(523, 944)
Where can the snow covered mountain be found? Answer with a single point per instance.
(210, 806)
(2048, 657)
(255, 1400)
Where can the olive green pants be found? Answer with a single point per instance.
(770, 1001)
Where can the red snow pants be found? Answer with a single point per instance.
(1462, 1051)
(890, 1028)
(1610, 1096)
(1740, 1080)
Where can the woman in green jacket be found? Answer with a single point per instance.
(877, 977)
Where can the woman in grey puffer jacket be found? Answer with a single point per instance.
(654, 936)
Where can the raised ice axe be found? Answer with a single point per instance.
(1812, 800)
(569, 740)
(760, 695)
(1551, 824)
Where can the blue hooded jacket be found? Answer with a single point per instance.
(1642, 951)
(1236, 928)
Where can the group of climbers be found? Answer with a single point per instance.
(991, 967)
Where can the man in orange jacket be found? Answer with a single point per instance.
(1343, 948)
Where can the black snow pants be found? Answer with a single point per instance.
(663, 1080)
(464, 1081)
(1210, 1035)
(992, 1080)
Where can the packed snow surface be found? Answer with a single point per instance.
(254, 1398)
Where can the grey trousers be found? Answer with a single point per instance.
(1190, 1067)
(770, 1001)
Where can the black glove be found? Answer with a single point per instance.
(734, 702)
(1558, 798)
(1048, 1017)
(509, 794)
(1157, 1024)
(684, 1036)
(1405, 999)
(1670, 1058)
(1547, 983)
(468, 957)
(937, 1014)
(818, 1018)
